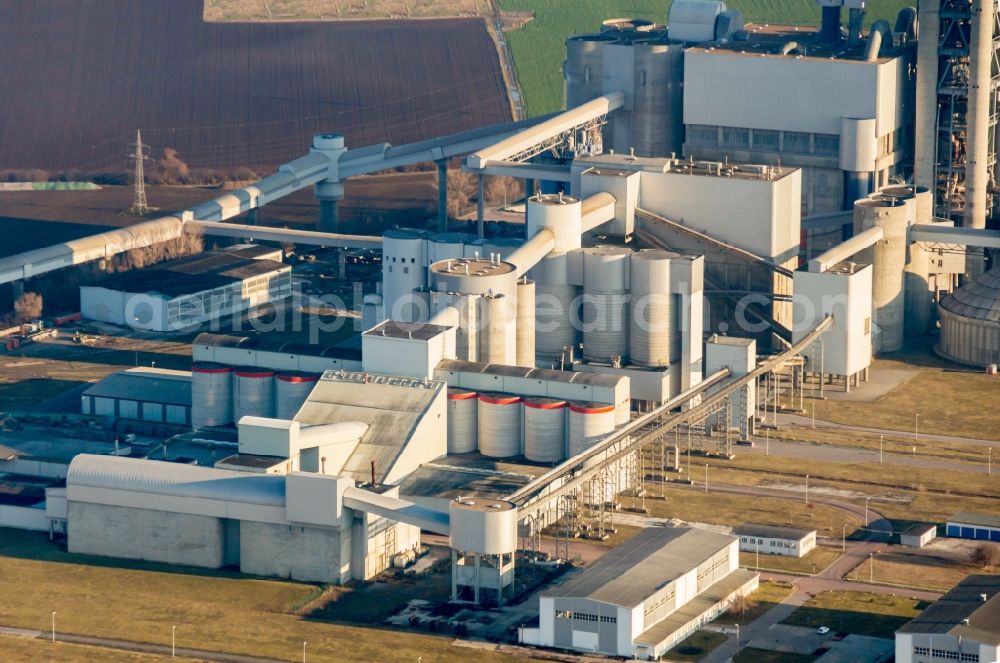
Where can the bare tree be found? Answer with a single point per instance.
(985, 555)
(461, 190)
(28, 306)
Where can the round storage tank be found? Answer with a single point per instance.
(291, 391)
(651, 311)
(544, 429)
(525, 322)
(970, 325)
(211, 395)
(560, 214)
(604, 309)
(253, 393)
(583, 70)
(463, 421)
(556, 307)
(404, 261)
(588, 423)
(500, 425)
(474, 277)
(657, 99)
(888, 259)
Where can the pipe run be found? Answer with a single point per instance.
(878, 35)
(843, 251)
(531, 252)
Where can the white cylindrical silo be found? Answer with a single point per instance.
(604, 308)
(588, 423)
(500, 418)
(525, 322)
(211, 395)
(291, 389)
(919, 301)
(404, 269)
(463, 421)
(448, 246)
(650, 303)
(492, 319)
(561, 214)
(888, 258)
(544, 429)
(557, 312)
(253, 393)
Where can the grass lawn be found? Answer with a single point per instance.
(695, 647)
(214, 611)
(35, 649)
(915, 571)
(961, 414)
(769, 594)
(723, 509)
(818, 559)
(539, 47)
(754, 655)
(861, 613)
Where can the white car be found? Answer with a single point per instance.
(823, 630)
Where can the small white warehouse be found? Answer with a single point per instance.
(775, 540)
(177, 294)
(156, 395)
(644, 596)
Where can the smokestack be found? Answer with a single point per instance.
(829, 29)
(977, 180)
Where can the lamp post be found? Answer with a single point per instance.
(871, 567)
(303, 651)
(706, 477)
(173, 642)
(737, 639)
(53, 626)
(989, 461)
(767, 442)
(807, 489)
(916, 425)
(881, 440)
(814, 414)
(866, 511)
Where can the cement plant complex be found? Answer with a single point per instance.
(729, 224)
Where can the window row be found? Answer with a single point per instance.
(763, 139)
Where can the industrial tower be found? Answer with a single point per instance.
(957, 82)
(140, 207)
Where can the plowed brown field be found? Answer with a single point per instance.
(80, 76)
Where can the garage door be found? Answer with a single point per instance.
(104, 406)
(128, 409)
(152, 412)
(176, 414)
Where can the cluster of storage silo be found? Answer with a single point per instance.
(221, 395)
(542, 429)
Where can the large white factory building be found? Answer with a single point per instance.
(503, 386)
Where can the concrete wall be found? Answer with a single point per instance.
(158, 536)
(24, 517)
(309, 554)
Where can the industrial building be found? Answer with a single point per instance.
(645, 596)
(496, 388)
(962, 625)
(918, 535)
(775, 540)
(178, 294)
(979, 526)
(156, 395)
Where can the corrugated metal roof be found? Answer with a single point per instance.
(980, 519)
(205, 271)
(964, 601)
(163, 478)
(392, 412)
(635, 570)
(979, 300)
(145, 386)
